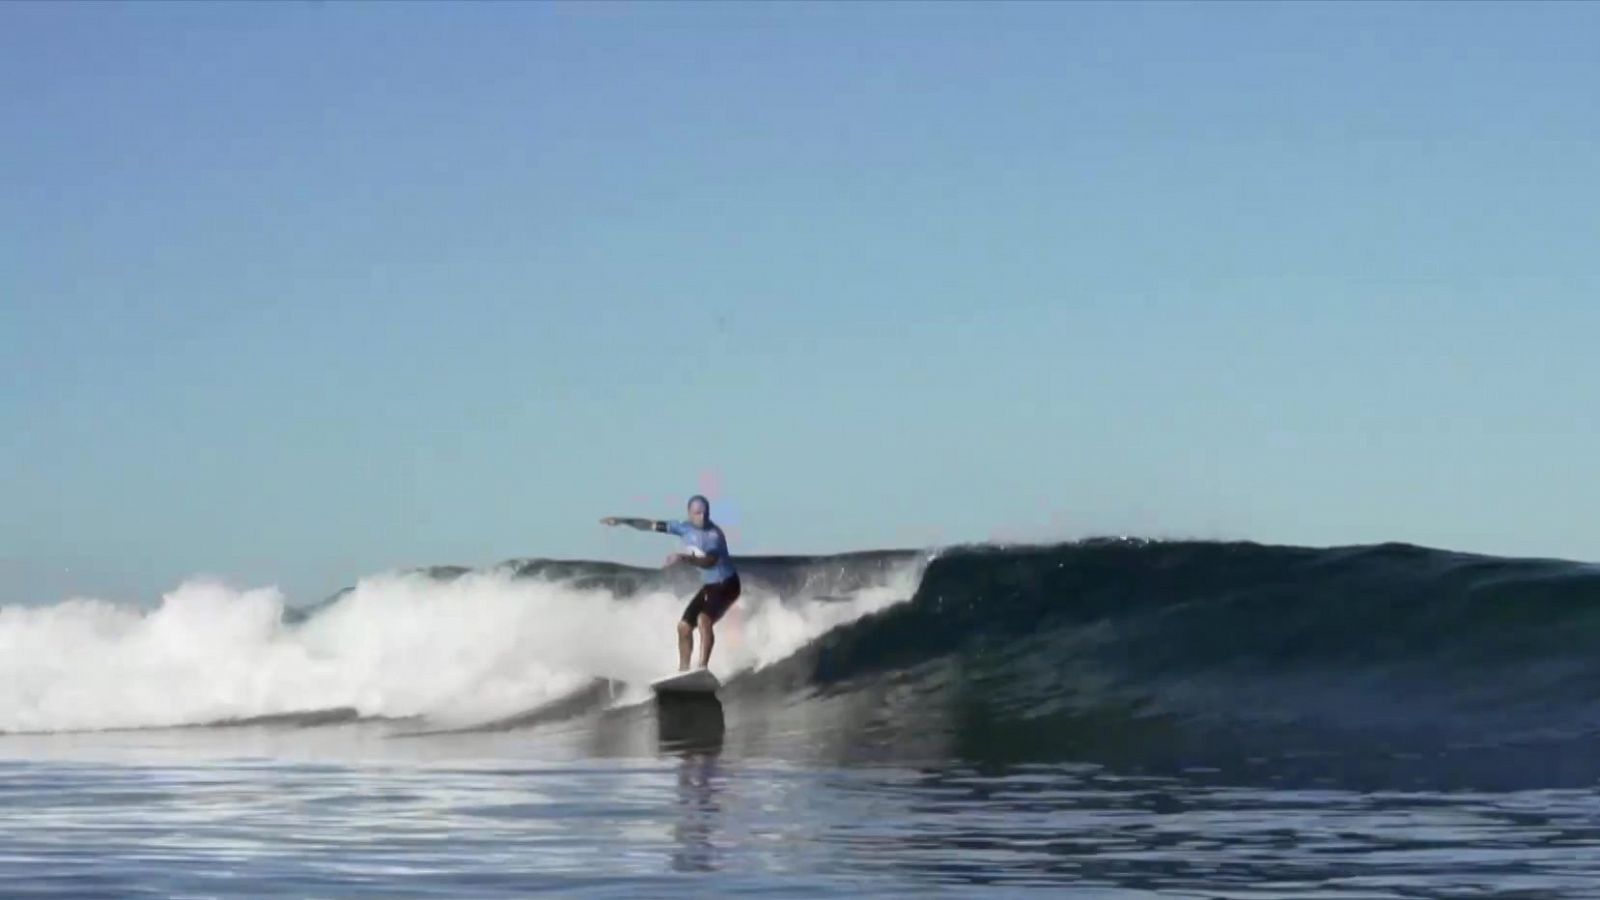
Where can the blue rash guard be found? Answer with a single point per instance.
(706, 540)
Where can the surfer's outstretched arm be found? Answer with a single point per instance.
(640, 524)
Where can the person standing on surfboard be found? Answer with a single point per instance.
(705, 548)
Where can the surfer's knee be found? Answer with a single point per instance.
(684, 629)
(705, 622)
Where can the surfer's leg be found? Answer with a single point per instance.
(691, 614)
(718, 597)
(685, 646)
(707, 639)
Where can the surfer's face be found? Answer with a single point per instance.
(697, 514)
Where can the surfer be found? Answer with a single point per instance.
(706, 548)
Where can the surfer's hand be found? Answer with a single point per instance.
(609, 520)
(672, 559)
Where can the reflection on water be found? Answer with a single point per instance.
(692, 729)
(689, 724)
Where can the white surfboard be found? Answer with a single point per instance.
(694, 681)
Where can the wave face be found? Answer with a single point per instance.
(1210, 653)
(1188, 651)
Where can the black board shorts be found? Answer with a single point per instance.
(712, 599)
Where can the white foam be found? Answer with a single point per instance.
(481, 646)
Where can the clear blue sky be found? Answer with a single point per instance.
(291, 293)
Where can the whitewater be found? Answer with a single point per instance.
(402, 645)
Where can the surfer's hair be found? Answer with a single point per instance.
(703, 500)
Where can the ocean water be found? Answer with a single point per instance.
(1099, 719)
